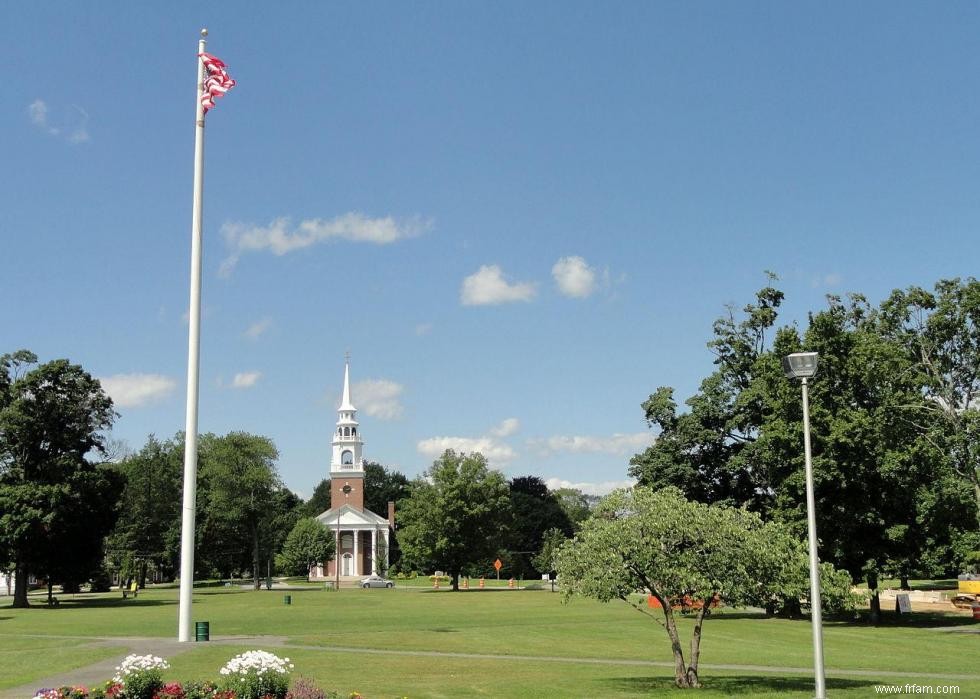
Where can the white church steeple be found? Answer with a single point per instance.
(346, 461)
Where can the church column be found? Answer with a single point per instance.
(357, 552)
(374, 551)
(387, 549)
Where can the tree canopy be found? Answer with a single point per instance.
(55, 504)
(887, 497)
(308, 544)
(658, 542)
(456, 515)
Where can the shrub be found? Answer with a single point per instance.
(171, 690)
(257, 674)
(140, 676)
(200, 690)
(305, 689)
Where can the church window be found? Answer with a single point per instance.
(347, 457)
(353, 431)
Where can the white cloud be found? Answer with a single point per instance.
(506, 428)
(38, 112)
(601, 488)
(496, 452)
(574, 277)
(581, 444)
(74, 130)
(378, 398)
(487, 287)
(490, 444)
(423, 329)
(135, 390)
(258, 328)
(826, 280)
(246, 379)
(281, 237)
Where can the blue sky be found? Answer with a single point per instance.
(520, 219)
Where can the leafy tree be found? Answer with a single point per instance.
(286, 509)
(577, 505)
(382, 486)
(709, 452)
(149, 514)
(547, 558)
(673, 548)
(242, 483)
(941, 330)
(456, 514)
(55, 504)
(320, 500)
(534, 510)
(740, 442)
(309, 543)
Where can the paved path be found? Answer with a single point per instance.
(168, 648)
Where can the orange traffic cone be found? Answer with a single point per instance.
(510, 583)
(481, 582)
(466, 583)
(435, 582)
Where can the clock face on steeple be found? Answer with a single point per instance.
(347, 489)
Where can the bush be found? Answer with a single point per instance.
(199, 690)
(305, 689)
(257, 674)
(100, 581)
(140, 676)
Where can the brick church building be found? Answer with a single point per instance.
(363, 537)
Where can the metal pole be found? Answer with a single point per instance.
(193, 371)
(816, 617)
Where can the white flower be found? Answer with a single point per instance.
(137, 663)
(258, 662)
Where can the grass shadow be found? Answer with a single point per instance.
(744, 685)
(106, 603)
(921, 620)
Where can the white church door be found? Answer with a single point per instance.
(348, 566)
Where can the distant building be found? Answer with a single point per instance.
(360, 533)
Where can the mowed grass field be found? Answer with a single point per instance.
(500, 643)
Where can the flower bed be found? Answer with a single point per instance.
(255, 674)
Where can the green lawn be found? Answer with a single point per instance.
(319, 626)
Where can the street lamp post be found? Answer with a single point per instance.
(803, 365)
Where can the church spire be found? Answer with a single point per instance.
(345, 404)
(346, 460)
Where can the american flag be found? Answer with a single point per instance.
(217, 81)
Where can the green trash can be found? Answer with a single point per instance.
(287, 599)
(202, 631)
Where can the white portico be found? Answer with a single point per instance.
(361, 535)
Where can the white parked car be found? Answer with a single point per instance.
(376, 581)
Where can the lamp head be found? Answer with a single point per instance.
(800, 365)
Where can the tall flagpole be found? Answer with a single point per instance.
(193, 371)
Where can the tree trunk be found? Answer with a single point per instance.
(692, 668)
(50, 591)
(976, 490)
(875, 599)
(20, 585)
(255, 558)
(904, 582)
(455, 581)
(680, 670)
